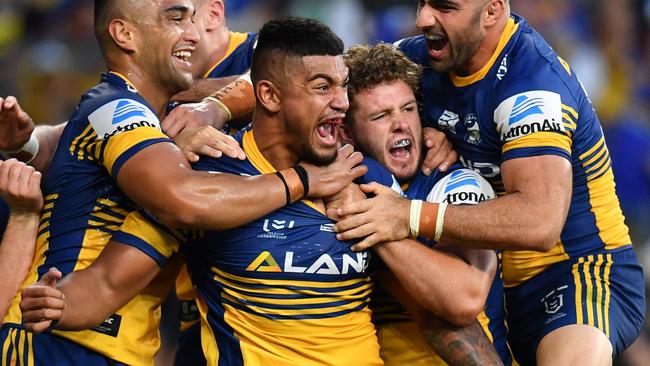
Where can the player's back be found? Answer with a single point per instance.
(282, 289)
(526, 102)
(84, 208)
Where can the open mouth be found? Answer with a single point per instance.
(436, 43)
(401, 149)
(183, 56)
(328, 131)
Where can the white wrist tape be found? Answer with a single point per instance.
(440, 220)
(414, 217)
(31, 147)
(220, 105)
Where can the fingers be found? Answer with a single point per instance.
(190, 156)
(37, 327)
(173, 123)
(352, 208)
(40, 305)
(358, 232)
(227, 145)
(366, 243)
(51, 277)
(440, 154)
(11, 102)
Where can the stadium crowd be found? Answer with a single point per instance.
(51, 56)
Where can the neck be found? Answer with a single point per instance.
(273, 141)
(148, 87)
(219, 37)
(486, 49)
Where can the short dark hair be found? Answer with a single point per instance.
(292, 37)
(102, 13)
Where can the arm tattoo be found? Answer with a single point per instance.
(459, 346)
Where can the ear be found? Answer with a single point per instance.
(345, 133)
(122, 34)
(494, 12)
(216, 15)
(268, 95)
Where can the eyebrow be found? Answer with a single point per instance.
(179, 8)
(328, 78)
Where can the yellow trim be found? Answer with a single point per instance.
(77, 140)
(208, 339)
(565, 65)
(508, 31)
(121, 143)
(608, 266)
(484, 320)
(596, 146)
(5, 346)
(30, 358)
(569, 121)
(540, 139)
(599, 292)
(570, 110)
(316, 297)
(21, 348)
(305, 311)
(598, 156)
(126, 80)
(236, 39)
(578, 293)
(589, 301)
(601, 169)
(273, 283)
(260, 163)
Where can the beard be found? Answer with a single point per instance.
(312, 157)
(462, 49)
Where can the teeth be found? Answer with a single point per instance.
(402, 143)
(184, 55)
(435, 37)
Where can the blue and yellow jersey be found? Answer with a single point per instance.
(236, 61)
(456, 186)
(238, 57)
(280, 290)
(527, 101)
(84, 209)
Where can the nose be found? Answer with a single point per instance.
(426, 17)
(399, 122)
(340, 101)
(191, 34)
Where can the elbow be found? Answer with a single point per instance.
(464, 312)
(179, 209)
(544, 237)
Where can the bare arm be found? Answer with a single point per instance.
(529, 217)
(202, 88)
(452, 283)
(466, 345)
(182, 198)
(20, 186)
(84, 299)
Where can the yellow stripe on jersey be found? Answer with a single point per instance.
(565, 65)
(120, 143)
(126, 80)
(208, 339)
(571, 111)
(260, 163)
(236, 39)
(484, 320)
(578, 292)
(140, 227)
(598, 145)
(76, 148)
(519, 266)
(599, 292)
(5, 346)
(460, 81)
(540, 139)
(608, 267)
(589, 297)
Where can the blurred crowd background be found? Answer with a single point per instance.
(49, 57)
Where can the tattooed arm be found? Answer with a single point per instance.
(457, 346)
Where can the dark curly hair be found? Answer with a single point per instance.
(370, 66)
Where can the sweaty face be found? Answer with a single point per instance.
(314, 102)
(452, 29)
(386, 126)
(168, 39)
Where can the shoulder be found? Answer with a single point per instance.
(414, 48)
(125, 113)
(461, 186)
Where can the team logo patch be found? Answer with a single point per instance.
(527, 113)
(121, 115)
(553, 303)
(448, 121)
(473, 130)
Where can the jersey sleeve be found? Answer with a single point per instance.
(461, 187)
(148, 236)
(531, 115)
(123, 127)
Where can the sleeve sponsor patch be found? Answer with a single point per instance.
(461, 187)
(121, 115)
(527, 113)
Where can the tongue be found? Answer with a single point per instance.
(399, 152)
(325, 130)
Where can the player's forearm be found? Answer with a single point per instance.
(16, 254)
(467, 346)
(202, 88)
(512, 222)
(441, 282)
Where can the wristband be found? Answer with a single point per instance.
(286, 187)
(428, 219)
(31, 147)
(440, 220)
(304, 178)
(220, 105)
(238, 97)
(414, 218)
(293, 184)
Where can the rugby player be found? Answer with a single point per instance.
(518, 115)
(383, 123)
(113, 158)
(282, 289)
(20, 187)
